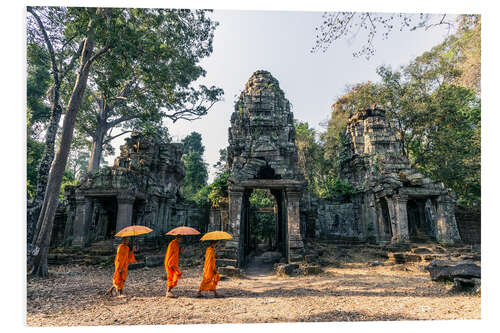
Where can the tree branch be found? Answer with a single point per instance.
(120, 120)
(55, 70)
(75, 56)
(114, 137)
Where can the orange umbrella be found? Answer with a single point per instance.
(183, 231)
(133, 230)
(216, 235)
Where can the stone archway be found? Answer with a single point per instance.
(262, 154)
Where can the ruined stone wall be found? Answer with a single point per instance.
(469, 224)
(142, 187)
(336, 221)
(386, 182)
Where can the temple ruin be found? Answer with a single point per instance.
(262, 154)
(142, 187)
(393, 201)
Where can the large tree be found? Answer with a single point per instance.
(192, 143)
(152, 80)
(110, 38)
(436, 117)
(89, 26)
(196, 169)
(56, 52)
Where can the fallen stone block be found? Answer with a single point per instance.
(466, 285)
(421, 250)
(229, 271)
(312, 270)
(286, 269)
(401, 258)
(136, 265)
(270, 257)
(445, 270)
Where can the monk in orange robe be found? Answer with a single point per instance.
(210, 274)
(123, 257)
(172, 265)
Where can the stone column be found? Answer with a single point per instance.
(102, 223)
(82, 218)
(124, 212)
(370, 216)
(150, 214)
(392, 217)
(294, 246)
(70, 217)
(446, 224)
(235, 210)
(380, 221)
(430, 216)
(400, 203)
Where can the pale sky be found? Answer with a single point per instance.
(280, 42)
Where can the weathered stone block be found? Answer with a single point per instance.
(286, 269)
(421, 250)
(229, 271)
(466, 285)
(401, 258)
(445, 270)
(312, 270)
(136, 265)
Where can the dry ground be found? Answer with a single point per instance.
(73, 295)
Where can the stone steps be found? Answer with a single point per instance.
(225, 262)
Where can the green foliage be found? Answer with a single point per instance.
(437, 119)
(147, 73)
(221, 165)
(196, 174)
(34, 153)
(192, 143)
(449, 148)
(262, 224)
(38, 82)
(261, 199)
(333, 186)
(215, 194)
(68, 179)
(318, 158)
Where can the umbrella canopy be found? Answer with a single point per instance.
(183, 231)
(133, 230)
(216, 235)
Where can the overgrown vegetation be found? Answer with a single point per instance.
(434, 105)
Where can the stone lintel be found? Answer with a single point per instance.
(125, 197)
(297, 185)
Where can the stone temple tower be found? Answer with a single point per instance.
(262, 154)
(262, 134)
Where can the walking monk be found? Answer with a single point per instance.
(123, 257)
(210, 274)
(172, 265)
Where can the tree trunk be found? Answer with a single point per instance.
(41, 240)
(50, 136)
(97, 143)
(44, 168)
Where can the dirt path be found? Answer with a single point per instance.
(73, 296)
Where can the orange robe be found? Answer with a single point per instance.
(123, 257)
(172, 264)
(210, 274)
